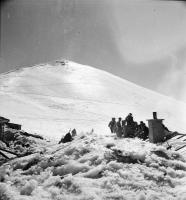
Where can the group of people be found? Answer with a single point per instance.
(128, 127)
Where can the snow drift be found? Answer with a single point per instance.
(51, 98)
(95, 166)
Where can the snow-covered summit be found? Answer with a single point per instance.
(52, 98)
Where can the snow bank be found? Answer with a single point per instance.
(96, 167)
(29, 187)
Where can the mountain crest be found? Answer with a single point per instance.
(51, 98)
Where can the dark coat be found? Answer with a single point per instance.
(129, 120)
(112, 126)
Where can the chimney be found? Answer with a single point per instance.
(154, 115)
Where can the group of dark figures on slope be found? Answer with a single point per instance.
(122, 128)
(129, 128)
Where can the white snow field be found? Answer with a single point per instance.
(49, 99)
(95, 167)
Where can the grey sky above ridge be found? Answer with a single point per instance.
(141, 41)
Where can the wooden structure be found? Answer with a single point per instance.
(156, 129)
(3, 122)
(13, 126)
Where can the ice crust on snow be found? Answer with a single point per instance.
(94, 166)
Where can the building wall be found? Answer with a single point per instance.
(156, 131)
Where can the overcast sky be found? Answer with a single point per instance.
(141, 41)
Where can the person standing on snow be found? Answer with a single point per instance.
(119, 127)
(129, 119)
(124, 128)
(112, 125)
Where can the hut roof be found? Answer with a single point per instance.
(3, 120)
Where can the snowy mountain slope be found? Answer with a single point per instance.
(51, 98)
